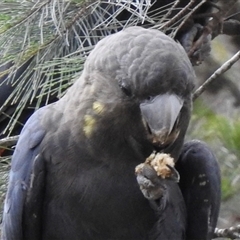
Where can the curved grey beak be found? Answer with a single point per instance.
(160, 117)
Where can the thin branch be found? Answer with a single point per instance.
(169, 12)
(232, 232)
(9, 141)
(215, 23)
(189, 15)
(226, 66)
(178, 16)
(219, 17)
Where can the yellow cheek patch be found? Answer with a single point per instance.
(89, 123)
(98, 107)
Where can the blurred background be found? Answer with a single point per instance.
(216, 120)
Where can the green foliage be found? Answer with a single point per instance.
(227, 189)
(217, 126)
(223, 136)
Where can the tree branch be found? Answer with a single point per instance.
(226, 66)
(215, 24)
(8, 141)
(232, 232)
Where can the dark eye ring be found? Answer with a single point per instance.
(126, 90)
(150, 98)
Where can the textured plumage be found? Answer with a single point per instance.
(72, 173)
(24, 89)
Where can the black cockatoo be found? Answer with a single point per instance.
(15, 108)
(72, 173)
